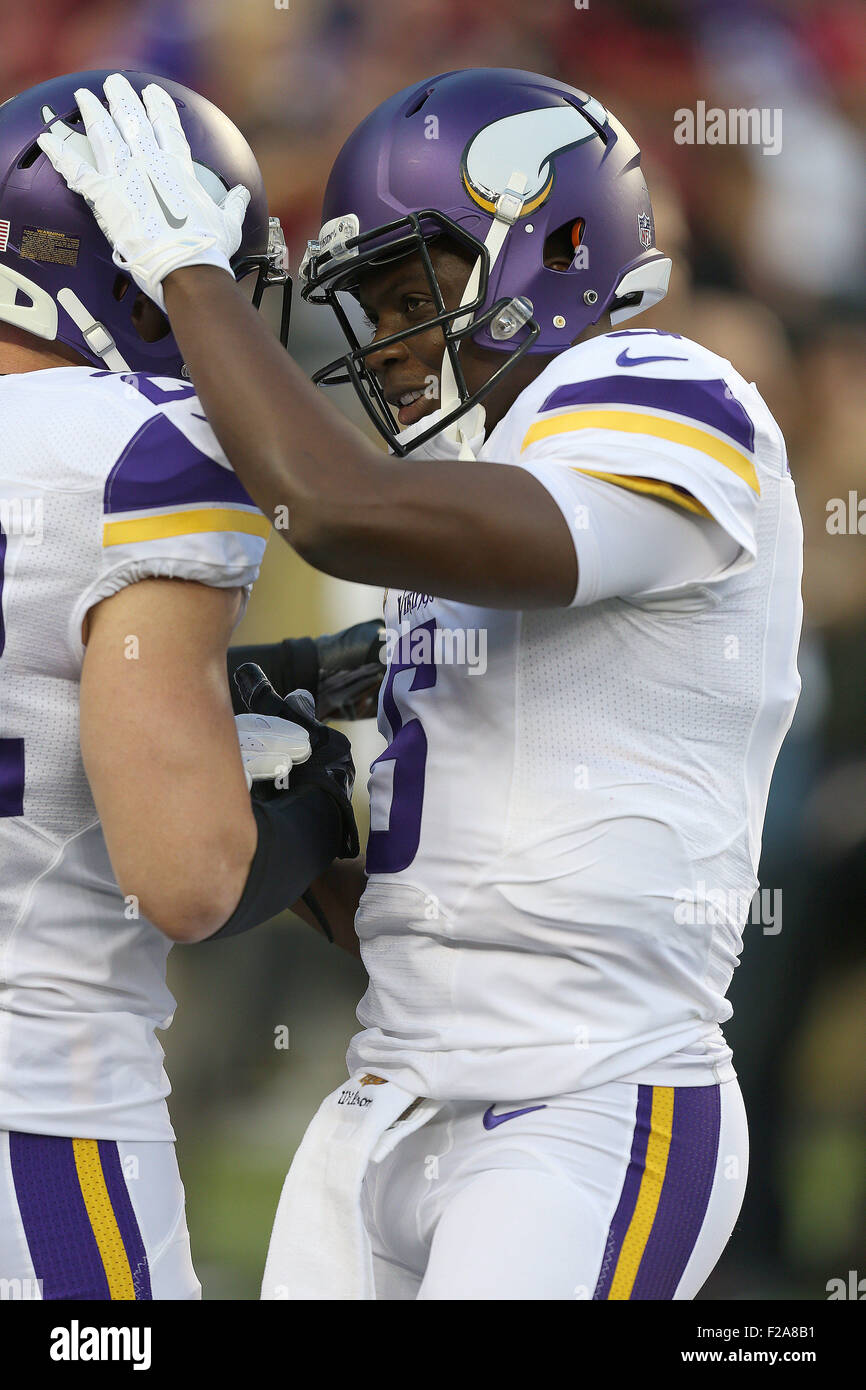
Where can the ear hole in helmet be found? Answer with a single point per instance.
(29, 157)
(150, 322)
(561, 244)
(120, 286)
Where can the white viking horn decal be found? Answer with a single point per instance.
(527, 141)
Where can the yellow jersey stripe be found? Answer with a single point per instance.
(655, 1164)
(633, 422)
(157, 528)
(667, 491)
(100, 1213)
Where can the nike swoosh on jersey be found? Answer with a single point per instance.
(166, 212)
(625, 361)
(491, 1121)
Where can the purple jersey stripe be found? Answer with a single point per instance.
(685, 1193)
(161, 468)
(711, 402)
(124, 1215)
(11, 777)
(59, 1234)
(629, 1194)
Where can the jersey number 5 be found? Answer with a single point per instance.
(11, 749)
(389, 851)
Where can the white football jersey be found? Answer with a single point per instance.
(566, 825)
(104, 480)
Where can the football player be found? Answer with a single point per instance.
(566, 824)
(127, 552)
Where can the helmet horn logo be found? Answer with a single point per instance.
(530, 141)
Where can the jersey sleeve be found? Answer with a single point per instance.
(631, 545)
(171, 507)
(684, 441)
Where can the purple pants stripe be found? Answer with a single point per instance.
(125, 1218)
(682, 1206)
(628, 1197)
(685, 1192)
(56, 1224)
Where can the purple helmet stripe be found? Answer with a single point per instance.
(160, 467)
(59, 1235)
(709, 401)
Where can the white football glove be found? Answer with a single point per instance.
(143, 189)
(271, 746)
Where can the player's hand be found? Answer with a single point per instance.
(350, 671)
(142, 185)
(329, 765)
(270, 747)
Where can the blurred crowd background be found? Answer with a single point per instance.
(768, 257)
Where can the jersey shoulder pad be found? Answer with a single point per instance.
(654, 413)
(171, 504)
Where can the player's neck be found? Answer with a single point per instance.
(21, 352)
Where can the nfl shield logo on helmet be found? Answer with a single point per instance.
(644, 230)
(5, 228)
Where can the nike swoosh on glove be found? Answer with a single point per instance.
(142, 186)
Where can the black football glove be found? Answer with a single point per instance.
(330, 765)
(350, 671)
(342, 669)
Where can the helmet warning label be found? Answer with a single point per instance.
(37, 244)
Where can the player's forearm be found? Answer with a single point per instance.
(337, 893)
(289, 447)
(298, 837)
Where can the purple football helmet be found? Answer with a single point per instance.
(497, 160)
(57, 278)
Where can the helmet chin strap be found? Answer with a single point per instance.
(509, 205)
(95, 334)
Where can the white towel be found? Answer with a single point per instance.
(319, 1245)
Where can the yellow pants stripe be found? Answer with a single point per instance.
(655, 1165)
(102, 1219)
